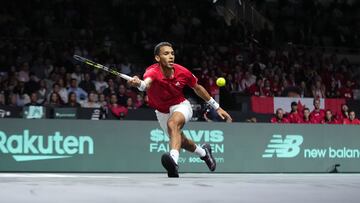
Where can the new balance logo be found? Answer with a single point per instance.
(283, 148)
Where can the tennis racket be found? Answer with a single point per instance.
(99, 66)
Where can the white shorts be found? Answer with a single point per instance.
(184, 108)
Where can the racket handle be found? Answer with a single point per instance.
(124, 76)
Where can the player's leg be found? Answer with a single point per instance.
(174, 126)
(187, 144)
(204, 151)
(171, 123)
(179, 115)
(170, 160)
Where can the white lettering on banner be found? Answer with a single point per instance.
(343, 153)
(159, 142)
(27, 147)
(314, 153)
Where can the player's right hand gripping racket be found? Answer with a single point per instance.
(99, 66)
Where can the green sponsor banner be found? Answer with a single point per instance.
(136, 146)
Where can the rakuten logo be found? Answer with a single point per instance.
(27, 147)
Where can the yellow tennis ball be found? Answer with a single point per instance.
(220, 82)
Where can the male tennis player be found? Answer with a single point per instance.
(164, 82)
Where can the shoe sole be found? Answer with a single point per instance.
(169, 165)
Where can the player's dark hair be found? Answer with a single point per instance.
(158, 46)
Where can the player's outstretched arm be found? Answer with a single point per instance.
(142, 85)
(201, 92)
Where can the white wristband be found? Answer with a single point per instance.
(142, 86)
(213, 103)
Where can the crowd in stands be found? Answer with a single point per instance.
(315, 22)
(299, 115)
(36, 65)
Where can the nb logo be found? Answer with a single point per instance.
(283, 148)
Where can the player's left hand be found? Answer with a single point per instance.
(224, 115)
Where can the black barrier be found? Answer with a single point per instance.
(90, 113)
(65, 113)
(10, 112)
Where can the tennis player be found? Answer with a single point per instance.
(164, 82)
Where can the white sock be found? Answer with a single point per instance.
(175, 155)
(200, 151)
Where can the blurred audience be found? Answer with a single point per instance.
(279, 117)
(36, 52)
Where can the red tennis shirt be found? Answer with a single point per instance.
(165, 92)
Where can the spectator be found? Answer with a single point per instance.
(22, 97)
(284, 86)
(247, 81)
(275, 87)
(68, 79)
(33, 100)
(121, 96)
(139, 101)
(111, 89)
(343, 114)
(130, 104)
(12, 100)
(257, 88)
(100, 84)
(306, 116)
(352, 120)
(131, 93)
(116, 109)
(294, 116)
(146, 102)
(333, 90)
(87, 84)
(92, 101)
(317, 115)
(267, 89)
(77, 74)
(279, 117)
(24, 73)
(126, 67)
(61, 92)
(54, 100)
(79, 92)
(329, 118)
(62, 89)
(230, 84)
(213, 89)
(102, 101)
(42, 92)
(318, 90)
(347, 91)
(304, 92)
(32, 85)
(72, 100)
